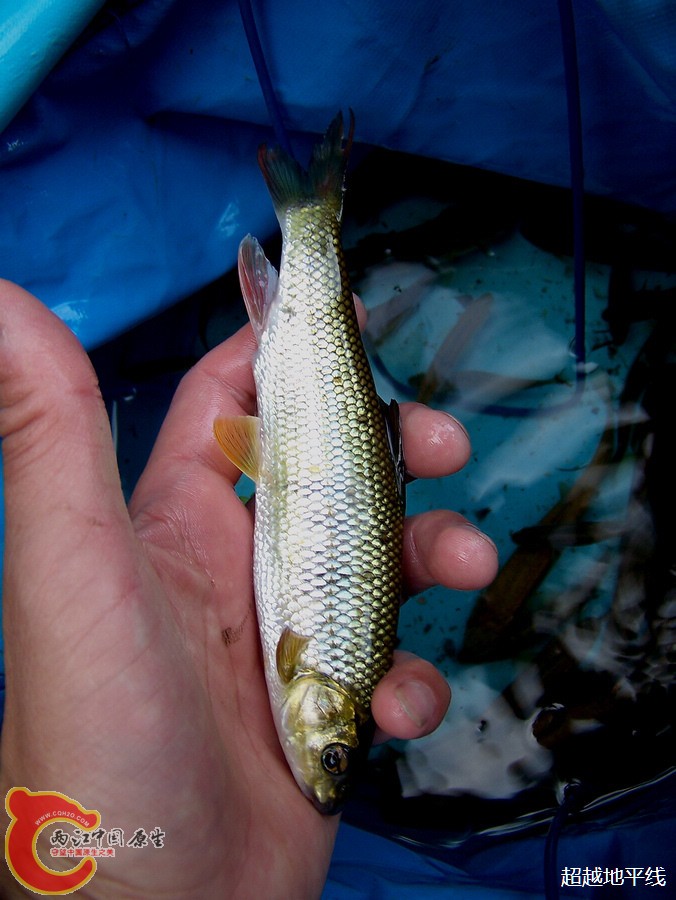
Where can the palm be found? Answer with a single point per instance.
(135, 683)
(152, 632)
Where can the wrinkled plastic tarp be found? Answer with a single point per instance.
(509, 867)
(129, 177)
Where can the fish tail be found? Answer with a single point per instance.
(290, 184)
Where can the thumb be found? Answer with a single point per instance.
(61, 483)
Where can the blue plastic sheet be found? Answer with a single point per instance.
(129, 176)
(507, 867)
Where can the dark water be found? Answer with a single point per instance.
(562, 671)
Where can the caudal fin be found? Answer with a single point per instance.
(290, 184)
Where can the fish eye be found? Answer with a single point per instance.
(335, 758)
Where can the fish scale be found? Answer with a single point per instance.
(327, 501)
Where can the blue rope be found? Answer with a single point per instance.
(263, 73)
(574, 796)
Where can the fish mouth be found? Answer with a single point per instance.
(328, 802)
(329, 807)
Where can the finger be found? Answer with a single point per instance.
(410, 700)
(181, 506)
(221, 384)
(62, 486)
(435, 444)
(442, 547)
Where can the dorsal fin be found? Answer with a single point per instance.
(392, 419)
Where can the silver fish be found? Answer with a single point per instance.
(329, 508)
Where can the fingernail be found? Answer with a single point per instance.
(417, 702)
(458, 424)
(443, 426)
(473, 529)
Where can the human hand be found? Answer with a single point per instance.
(134, 675)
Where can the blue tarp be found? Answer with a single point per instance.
(505, 868)
(128, 177)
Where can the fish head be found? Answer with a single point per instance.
(324, 734)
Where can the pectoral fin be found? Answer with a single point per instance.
(289, 649)
(239, 439)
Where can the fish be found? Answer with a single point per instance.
(455, 344)
(498, 621)
(386, 318)
(328, 468)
